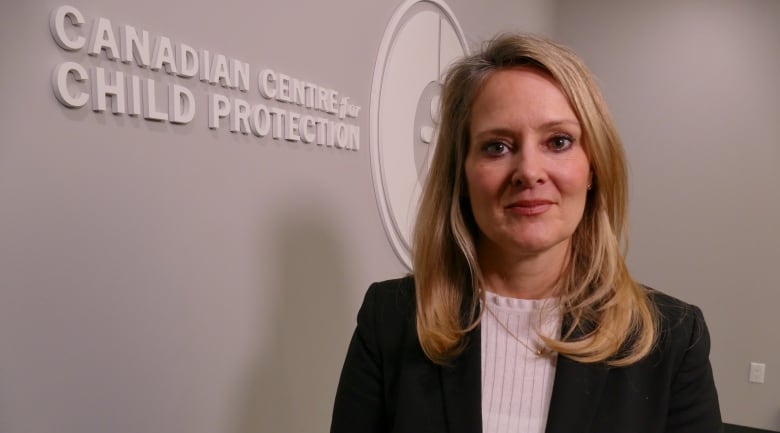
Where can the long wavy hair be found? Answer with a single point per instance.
(607, 316)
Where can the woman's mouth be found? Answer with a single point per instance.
(530, 207)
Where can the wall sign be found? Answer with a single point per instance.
(313, 113)
(421, 40)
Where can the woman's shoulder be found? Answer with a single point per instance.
(393, 294)
(680, 324)
(671, 310)
(390, 300)
(387, 316)
(395, 287)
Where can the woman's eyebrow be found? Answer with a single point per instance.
(502, 130)
(560, 122)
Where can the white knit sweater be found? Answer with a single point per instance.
(516, 382)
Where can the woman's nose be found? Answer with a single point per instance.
(528, 167)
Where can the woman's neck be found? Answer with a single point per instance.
(532, 276)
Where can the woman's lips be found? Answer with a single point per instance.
(530, 207)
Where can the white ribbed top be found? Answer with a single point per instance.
(516, 382)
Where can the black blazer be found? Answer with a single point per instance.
(388, 385)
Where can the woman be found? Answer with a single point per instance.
(521, 314)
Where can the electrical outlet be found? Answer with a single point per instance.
(757, 372)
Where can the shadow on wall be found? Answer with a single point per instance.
(293, 381)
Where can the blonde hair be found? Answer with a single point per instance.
(608, 317)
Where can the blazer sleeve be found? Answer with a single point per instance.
(359, 405)
(693, 406)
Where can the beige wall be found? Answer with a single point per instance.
(695, 89)
(163, 278)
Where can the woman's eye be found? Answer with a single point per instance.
(560, 142)
(496, 148)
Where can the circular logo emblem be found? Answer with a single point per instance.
(421, 40)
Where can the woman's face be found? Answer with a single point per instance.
(527, 173)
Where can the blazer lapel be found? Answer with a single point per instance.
(576, 395)
(462, 389)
